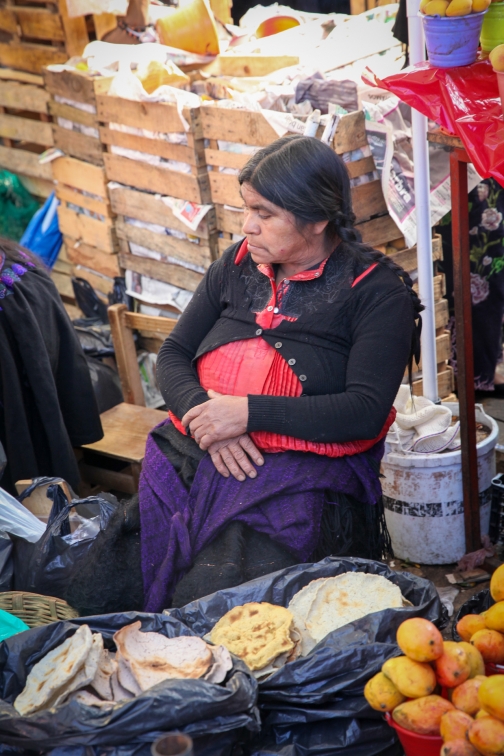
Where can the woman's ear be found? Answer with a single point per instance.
(319, 227)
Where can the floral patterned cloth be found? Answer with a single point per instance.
(486, 241)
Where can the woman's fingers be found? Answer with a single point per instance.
(246, 443)
(219, 464)
(239, 456)
(231, 463)
(192, 414)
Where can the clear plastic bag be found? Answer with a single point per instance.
(16, 520)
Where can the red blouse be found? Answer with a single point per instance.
(252, 366)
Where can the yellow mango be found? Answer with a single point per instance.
(491, 696)
(381, 693)
(411, 678)
(487, 736)
(497, 579)
(455, 725)
(470, 624)
(459, 8)
(453, 668)
(475, 659)
(422, 715)
(465, 696)
(481, 713)
(420, 640)
(478, 6)
(436, 8)
(494, 619)
(490, 644)
(458, 747)
(423, 3)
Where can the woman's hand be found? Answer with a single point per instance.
(219, 419)
(231, 457)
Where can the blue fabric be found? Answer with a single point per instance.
(43, 236)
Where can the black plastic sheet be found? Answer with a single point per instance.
(315, 705)
(478, 603)
(195, 707)
(6, 562)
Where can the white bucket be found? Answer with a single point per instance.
(423, 498)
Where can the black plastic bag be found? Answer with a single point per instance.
(194, 707)
(327, 684)
(3, 460)
(106, 384)
(47, 566)
(6, 562)
(88, 300)
(477, 604)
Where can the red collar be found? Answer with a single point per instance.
(304, 275)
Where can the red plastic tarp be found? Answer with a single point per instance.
(465, 101)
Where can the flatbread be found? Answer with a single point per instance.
(222, 663)
(120, 694)
(101, 683)
(87, 698)
(255, 632)
(153, 658)
(326, 604)
(52, 674)
(84, 676)
(126, 676)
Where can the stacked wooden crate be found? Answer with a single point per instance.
(25, 130)
(85, 215)
(155, 246)
(226, 130)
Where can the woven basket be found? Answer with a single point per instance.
(36, 610)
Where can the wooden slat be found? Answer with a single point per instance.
(350, 133)
(93, 258)
(223, 245)
(104, 23)
(443, 351)
(9, 74)
(445, 384)
(99, 282)
(8, 21)
(439, 287)
(245, 127)
(23, 97)
(360, 167)
(150, 323)
(368, 200)
(126, 355)
(379, 230)
(63, 284)
(40, 23)
(154, 116)
(441, 313)
(151, 146)
(76, 35)
(30, 57)
(73, 85)
(72, 114)
(68, 194)
(81, 175)
(229, 220)
(126, 428)
(154, 179)
(181, 249)
(26, 163)
(254, 64)
(78, 145)
(225, 189)
(26, 130)
(161, 271)
(225, 159)
(91, 231)
(148, 208)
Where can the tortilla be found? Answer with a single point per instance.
(326, 604)
(87, 698)
(101, 683)
(84, 676)
(257, 633)
(126, 676)
(153, 658)
(222, 663)
(120, 694)
(52, 674)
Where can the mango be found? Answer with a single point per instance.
(423, 3)
(411, 678)
(465, 696)
(491, 696)
(490, 644)
(458, 747)
(470, 624)
(436, 8)
(422, 715)
(494, 619)
(459, 8)
(487, 736)
(381, 693)
(475, 659)
(478, 6)
(420, 640)
(497, 61)
(455, 725)
(481, 713)
(497, 579)
(453, 667)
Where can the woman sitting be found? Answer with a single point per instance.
(280, 378)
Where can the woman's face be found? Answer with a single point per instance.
(272, 233)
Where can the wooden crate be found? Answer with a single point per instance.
(161, 118)
(142, 206)
(41, 33)
(252, 128)
(78, 87)
(25, 129)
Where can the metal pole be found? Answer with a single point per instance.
(422, 206)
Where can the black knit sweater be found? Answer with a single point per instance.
(348, 346)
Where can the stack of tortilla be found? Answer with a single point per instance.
(82, 669)
(266, 636)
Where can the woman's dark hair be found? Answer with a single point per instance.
(308, 179)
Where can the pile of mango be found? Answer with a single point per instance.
(497, 58)
(453, 7)
(469, 715)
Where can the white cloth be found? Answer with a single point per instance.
(422, 426)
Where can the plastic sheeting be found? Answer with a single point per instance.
(464, 101)
(325, 688)
(195, 707)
